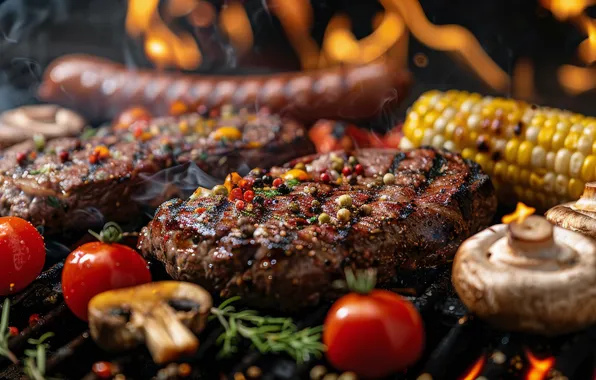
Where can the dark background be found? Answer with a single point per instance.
(34, 32)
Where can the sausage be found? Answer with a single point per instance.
(101, 89)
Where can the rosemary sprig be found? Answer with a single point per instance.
(292, 182)
(35, 363)
(5, 333)
(267, 334)
(111, 233)
(267, 193)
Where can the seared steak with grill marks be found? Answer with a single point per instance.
(279, 251)
(69, 184)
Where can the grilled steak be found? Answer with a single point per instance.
(72, 184)
(284, 248)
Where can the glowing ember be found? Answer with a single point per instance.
(538, 367)
(473, 373)
(520, 214)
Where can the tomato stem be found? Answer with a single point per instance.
(362, 281)
(111, 233)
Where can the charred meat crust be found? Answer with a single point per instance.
(281, 257)
(65, 189)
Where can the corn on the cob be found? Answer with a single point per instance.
(540, 156)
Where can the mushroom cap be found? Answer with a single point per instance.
(118, 319)
(49, 120)
(548, 302)
(566, 215)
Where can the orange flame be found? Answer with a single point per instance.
(235, 23)
(538, 367)
(566, 9)
(162, 45)
(523, 79)
(520, 214)
(576, 80)
(474, 371)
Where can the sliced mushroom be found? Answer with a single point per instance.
(529, 276)
(164, 315)
(577, 216)
(51, 121)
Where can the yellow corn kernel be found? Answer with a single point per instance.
(429, 118)
(427, 137)
(549, 182)
(536, 181)
(524, 153)
(467, 153)
(575, 164)
(562, 185)
(571, 141)
(584, 144)
(524, 177)
(562, 161)
(298, 174)
(438, 141)
(511, 150)
(558, 141)
(563, 126)
(538, 157)
(230, 133)
(409, 127)
(417, 136)
(484, 161)
(576, 188)
(588, 168)
(576, 128)
(500, 170)
(538, 120)
(512, 174)
(545, 137)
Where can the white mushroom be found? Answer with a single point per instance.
(164, 315)
(529, 276)
(577, 216)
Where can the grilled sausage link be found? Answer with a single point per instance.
(101, 89)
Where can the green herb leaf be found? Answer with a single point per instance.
(292, 182)
(267, 334)
(87, 133)
(312, 219)
(267, 193)
(54, 202)
(5, 333)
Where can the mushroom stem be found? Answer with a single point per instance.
(166, 337)
(533, 238)
(587, 202)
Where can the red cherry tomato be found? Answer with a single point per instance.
(96, 267)
(22, 254)
(374, 335)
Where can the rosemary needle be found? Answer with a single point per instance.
(267, 334)
(5, 333)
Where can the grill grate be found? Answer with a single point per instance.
(455, 341)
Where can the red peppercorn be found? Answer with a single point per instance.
(236, 194)
(21, 157)
(249, 195)
(346, 171)
(64, 156)
(359, 169)
(325, 178)
(277, 182)
(103, 370)
(93, 158)
(240, 205)
(214, 113)
(246, 184)
(13, 331)
(34, 319)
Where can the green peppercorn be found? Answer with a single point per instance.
(300, 166)
(294, 207)
(344, 215)
(352, 160)
(324, 218)
(315, 203)
(388, 179)
(366, 209)
(337, 166)
(40, 142)
(220, 190)
(344, 200)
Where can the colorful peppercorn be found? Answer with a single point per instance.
(236, 194)
(240, 205)
(346, 171)
(325, 178)
(34, 319)
(64, 156)
(388, 179)
(13, 331)
(324, 218)
(359, 169)
(21, 158)
(344, 214)
(366, 209)
(277, 182)
(249, 195)
(103, 370)
(344, 200)
(220, 190)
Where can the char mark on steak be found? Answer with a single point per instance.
(279, 251)
(60, 183)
